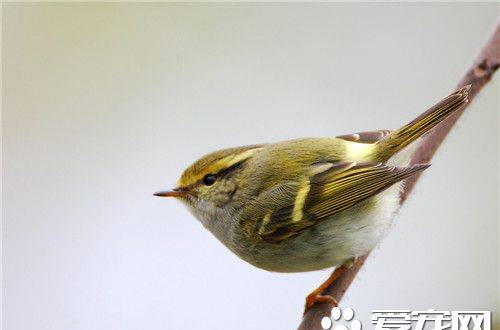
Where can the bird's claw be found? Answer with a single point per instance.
(313, 299)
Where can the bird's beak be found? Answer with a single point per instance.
(176, 192)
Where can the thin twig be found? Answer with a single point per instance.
(480, 73)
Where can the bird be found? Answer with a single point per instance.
(310, 203)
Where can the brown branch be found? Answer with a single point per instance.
(481, 72)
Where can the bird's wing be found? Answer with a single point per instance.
(365, 137)
(329, 189)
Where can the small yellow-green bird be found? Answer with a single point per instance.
(310, 203)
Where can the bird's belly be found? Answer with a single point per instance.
(349, 234)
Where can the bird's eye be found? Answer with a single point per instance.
(209, 179)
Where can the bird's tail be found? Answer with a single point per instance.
(398, 139)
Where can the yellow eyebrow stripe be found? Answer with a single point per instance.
(219, 165)
(229, 161)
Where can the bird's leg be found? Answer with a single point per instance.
(317, 297)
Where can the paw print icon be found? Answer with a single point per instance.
(340, 320)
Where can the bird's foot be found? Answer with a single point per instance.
(315, 298)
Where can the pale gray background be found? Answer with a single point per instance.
(105, 104)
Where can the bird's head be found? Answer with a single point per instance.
(211, 184)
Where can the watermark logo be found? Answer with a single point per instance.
(431, 320)
(340, 320)
(410, 320)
